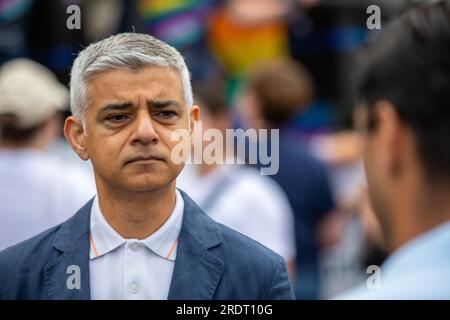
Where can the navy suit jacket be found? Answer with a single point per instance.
(213, 262)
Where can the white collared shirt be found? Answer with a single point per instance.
(130, 268)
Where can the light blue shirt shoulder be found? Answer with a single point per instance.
(420, 269)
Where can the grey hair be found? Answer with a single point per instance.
(126, 50)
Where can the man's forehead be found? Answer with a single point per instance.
(151, 83)
(150, 73)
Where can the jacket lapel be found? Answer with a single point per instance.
(197, 271)
(67, 274)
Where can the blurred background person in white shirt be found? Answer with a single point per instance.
(37, 191)
(236, 195)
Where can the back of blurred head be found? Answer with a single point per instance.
(277, 90)
(31, 97)
(214, 115)
(214, 111)
(405, 117)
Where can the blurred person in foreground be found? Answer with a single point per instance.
(139, 237)
(236, 195)
(37, 191)
(405, 119)
(276, 92)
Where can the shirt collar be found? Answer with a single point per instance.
(163, 242)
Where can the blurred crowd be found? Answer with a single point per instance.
(260, 64)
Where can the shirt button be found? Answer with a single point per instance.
(134, 288)
(135, 247)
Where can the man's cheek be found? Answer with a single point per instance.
(108, 152)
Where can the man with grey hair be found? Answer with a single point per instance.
(139, 237)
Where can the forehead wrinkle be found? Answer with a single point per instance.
(157, 88)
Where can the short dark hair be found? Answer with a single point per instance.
(409, 65)
(211, 98)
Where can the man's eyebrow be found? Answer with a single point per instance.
(160, 104)
(114, 107)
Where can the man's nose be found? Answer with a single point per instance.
(144, 131)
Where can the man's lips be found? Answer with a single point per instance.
(143, 160)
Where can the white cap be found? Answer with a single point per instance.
(30, 91)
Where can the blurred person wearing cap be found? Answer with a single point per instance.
(276, 92)
(37, 191)
(236, 195)
(404, 117)
(140, 237)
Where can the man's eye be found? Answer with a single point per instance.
(117, 118)
(166, 114)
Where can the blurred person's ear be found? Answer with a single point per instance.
(52, 128)
(74, 133)
(223, 121)
(388, 136)
(250, 110)
(360, 118)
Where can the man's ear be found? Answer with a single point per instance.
(391, 136)
(194, 116)
(74, 133)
